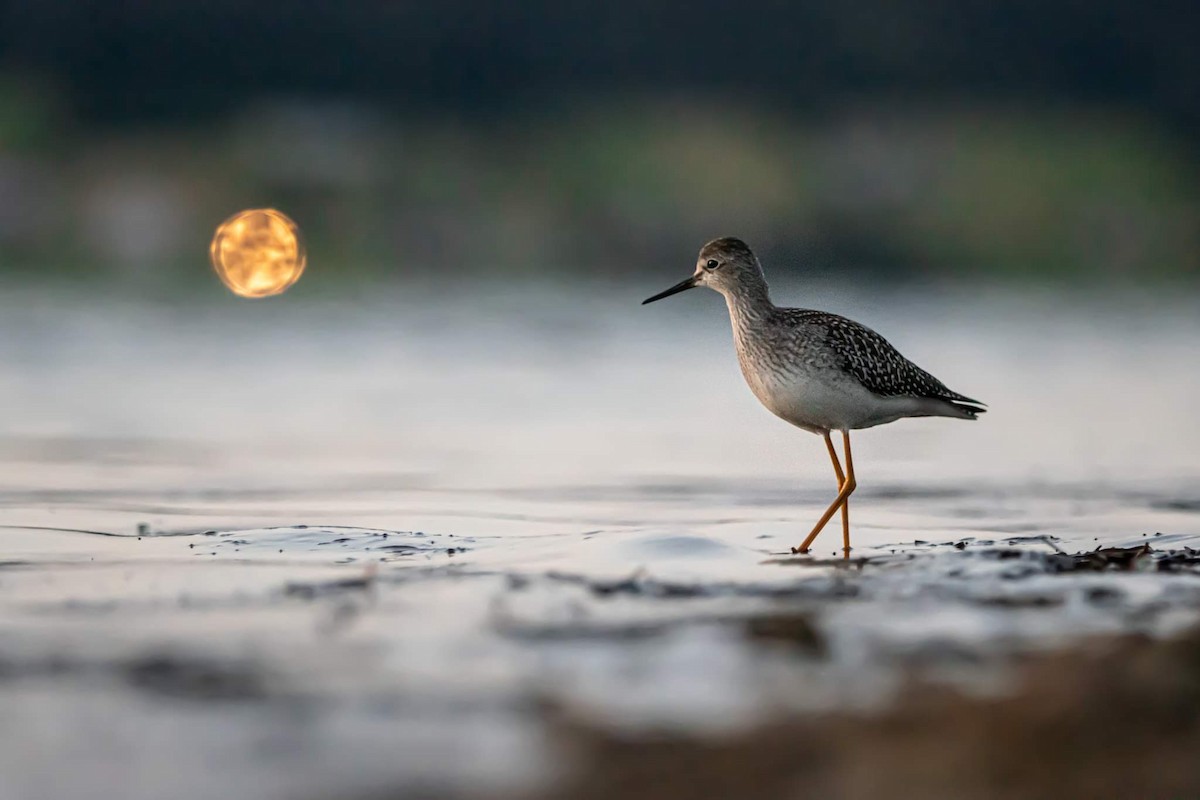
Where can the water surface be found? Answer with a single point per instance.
(309, 549)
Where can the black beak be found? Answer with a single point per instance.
(682, 286)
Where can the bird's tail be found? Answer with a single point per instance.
(959, 407)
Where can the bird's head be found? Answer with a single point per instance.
(727, 265)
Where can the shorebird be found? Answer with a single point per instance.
(821, 372)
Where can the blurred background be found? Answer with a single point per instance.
(1022, 141)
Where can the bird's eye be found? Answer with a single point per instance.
(712, 264)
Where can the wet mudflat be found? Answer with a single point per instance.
(382, 550)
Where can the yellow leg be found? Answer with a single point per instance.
(841, 481)
(837, 467)
(847, 486)
(846, 502)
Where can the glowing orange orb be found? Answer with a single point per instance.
(258, 252)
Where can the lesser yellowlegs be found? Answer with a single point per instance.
(818, 371)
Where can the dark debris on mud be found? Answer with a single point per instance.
(1102, 559)
(1125, 559)
(174, 676)
(357, 544)
(311, 590)
(794, 628)
(644, 586)
(193, 679)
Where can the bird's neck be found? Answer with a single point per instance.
(749, 305)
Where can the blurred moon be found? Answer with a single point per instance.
(258, 252)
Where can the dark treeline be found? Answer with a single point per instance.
(172, 60)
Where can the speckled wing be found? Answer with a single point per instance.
(876, 364)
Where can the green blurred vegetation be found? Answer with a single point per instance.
(953, 190)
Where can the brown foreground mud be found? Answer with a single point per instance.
(1114, 718)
